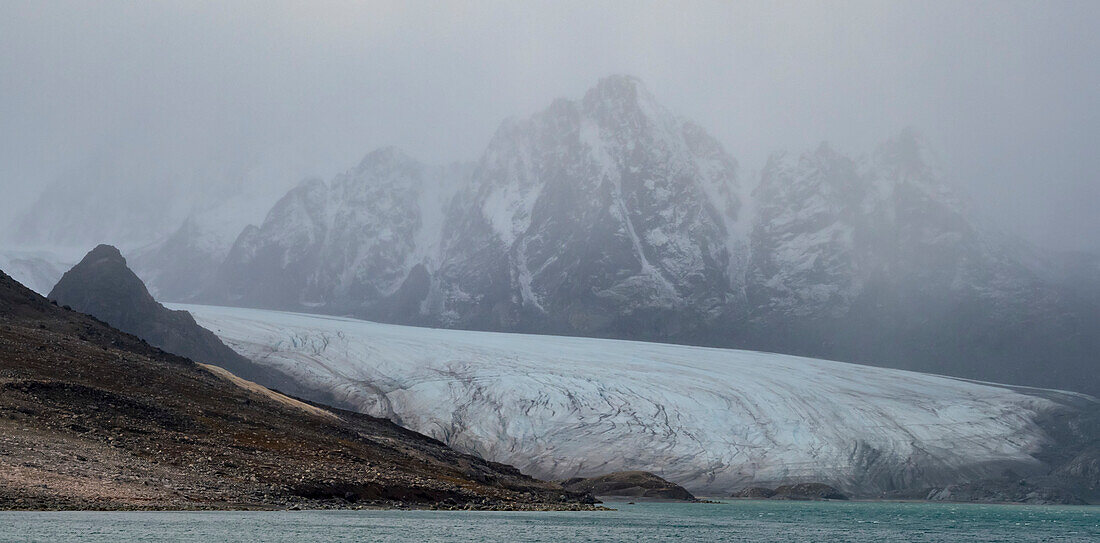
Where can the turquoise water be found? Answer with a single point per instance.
(735, 521)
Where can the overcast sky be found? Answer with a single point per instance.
(202, 94)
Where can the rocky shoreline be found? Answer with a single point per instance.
(629, 484)
(93, 418)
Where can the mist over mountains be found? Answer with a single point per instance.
(610, 216)
(529, 256)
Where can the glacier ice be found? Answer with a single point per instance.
(710, 419)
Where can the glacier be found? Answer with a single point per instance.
(710, 419)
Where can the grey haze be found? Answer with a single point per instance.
(174, 105)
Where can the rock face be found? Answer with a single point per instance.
(807, 491)
(604, 216)
(361, 244)
(754, 493)
(797, 491)
(1004, 491)
(709, 419)
(183, 263)
(609, 216)
(93, 418)
(633, 484)
(879, 259)
(103, 286)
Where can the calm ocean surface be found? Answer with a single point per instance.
(735, 521)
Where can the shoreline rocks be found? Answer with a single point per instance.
(798, 491)
(629, 484)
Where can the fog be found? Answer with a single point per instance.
(196, 99)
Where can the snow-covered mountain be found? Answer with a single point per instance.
(599, 216)
(356, 244)
(37, 270)
(183, 264)
(609, 216)
(713, 420)
(604, 216)
(98, 204)
(878, 259)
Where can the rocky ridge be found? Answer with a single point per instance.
(631, 484)
(102, 285)
(797, 491)
(94, 418)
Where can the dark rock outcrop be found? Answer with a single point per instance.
(102, 286)
(1004, 491)
(754, 493)
(808, 491)
(632, 484)
(797, 491)
(95, 418)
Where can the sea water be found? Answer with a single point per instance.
(878, 522)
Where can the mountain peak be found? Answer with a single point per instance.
(909, 153)
(620, 93)
(308, 182)
(825, 150)
(383, 156)
(104, 276)
(104, 252)
(619, 84)
(102, 285)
